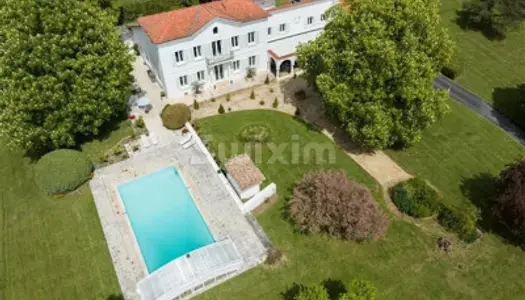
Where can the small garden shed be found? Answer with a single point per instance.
(245, 177)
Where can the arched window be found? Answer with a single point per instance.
(215, 30)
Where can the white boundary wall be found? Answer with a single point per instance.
(258, 199)
(212, 161)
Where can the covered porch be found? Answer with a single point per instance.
(282, 65)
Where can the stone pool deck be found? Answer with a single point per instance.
(216, 201)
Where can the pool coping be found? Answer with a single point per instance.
(124, 210)
(128, 221)
(220, 209)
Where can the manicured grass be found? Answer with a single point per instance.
(404, 265)
(95, 148)
(459, 153)
(491, 69)
(285, 133)
(52, 248)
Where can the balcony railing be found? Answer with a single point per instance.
(213, 60)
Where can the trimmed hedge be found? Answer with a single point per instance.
(255, 133)
(221, 109)
(175, 116)
(416, 198)
(62, 171)
(360, 289)
(461, 220)
(451, 71)
(312, 292)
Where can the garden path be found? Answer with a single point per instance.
(376, 163)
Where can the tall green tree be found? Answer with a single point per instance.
(374, 65)
(494, 17)
(64, 72)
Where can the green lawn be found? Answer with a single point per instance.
(460, 152)
(52, 248)
(491, 69)
(95, 148)
(404, 265)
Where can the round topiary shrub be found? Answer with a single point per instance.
(175, 116)
(416, 198)
(312, 292)
(360, 289)
(328, 202)
(255, 133)
(62, 171)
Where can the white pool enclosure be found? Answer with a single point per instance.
(191, 272)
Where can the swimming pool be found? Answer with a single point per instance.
(164, 218)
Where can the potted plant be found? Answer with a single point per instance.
(250, 73)
(197, 87)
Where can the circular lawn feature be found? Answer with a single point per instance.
(175, 116)
(62, 171)
(255, 133)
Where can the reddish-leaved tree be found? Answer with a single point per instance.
(327, 201)
(510, 197)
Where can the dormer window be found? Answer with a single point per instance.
(215, 30)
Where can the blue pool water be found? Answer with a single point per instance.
(165, 220)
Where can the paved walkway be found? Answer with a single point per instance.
(217, 204)
(240, 100)
(152, 91)
(377, 163)
(481, 107)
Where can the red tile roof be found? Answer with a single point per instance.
(276, 56)
(244, 171)
(184, 22)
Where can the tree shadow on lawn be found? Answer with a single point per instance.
(104, 133)
(464, 19)
(511, 102)
(312, 114)
(480, 190)
(335, 289)
(115, 297)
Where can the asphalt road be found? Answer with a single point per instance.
(481, 107)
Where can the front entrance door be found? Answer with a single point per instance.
(219, 72)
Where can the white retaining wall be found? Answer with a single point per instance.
(258, 199)
(212, 161)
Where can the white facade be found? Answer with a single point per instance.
(264, 45)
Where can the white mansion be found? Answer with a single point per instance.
(216, 43)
